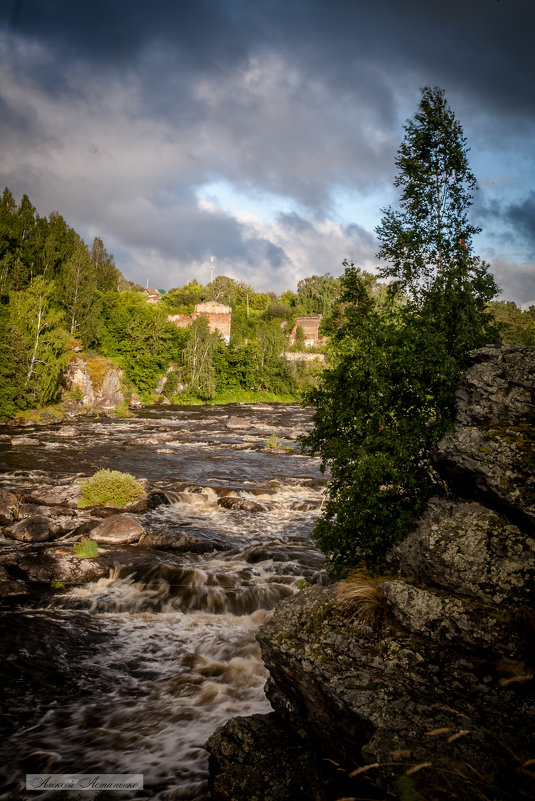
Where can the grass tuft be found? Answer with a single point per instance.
(360, 597)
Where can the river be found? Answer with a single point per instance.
(133, 672)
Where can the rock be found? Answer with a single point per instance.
(393, 699)
(235, 422)
(175, 541)
(119, 529)
(8, 507)
(54, 496)
(135, 401)
(77, 377)
(447, 620)
(469, 549)
(110, 394)
(43, 565)
(18, 442)
(243, 504)
(254, 758)
(10, 586)
(32, 529)
(66, 431)
(491, 453)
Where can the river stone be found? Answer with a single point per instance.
(54, 496)
(243, 504)
(66, 431)
(175, 541)
(10, 586)
(467, 548)
(23, 441)
(37, 528)
(119, 529)
(8, 507)
(43, 565)
(235, 422)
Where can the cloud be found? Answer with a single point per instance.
(516, 280)
(117, 114)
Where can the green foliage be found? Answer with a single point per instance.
(317, 294)
(137, 335)
(197, 358)
(87, 549)
(395, 359)
(110, 488)
(514, 324)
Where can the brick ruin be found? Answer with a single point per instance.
(218, 315)
(310, 327)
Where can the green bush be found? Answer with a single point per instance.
(88, 549)
(110, 488)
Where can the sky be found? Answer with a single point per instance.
(261, 133)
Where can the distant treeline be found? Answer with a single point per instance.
(56, 293)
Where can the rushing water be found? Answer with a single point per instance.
(132, 673)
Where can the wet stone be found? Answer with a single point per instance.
(120, 529)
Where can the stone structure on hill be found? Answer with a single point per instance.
(425, 691)
(153, 295)
(218, 315)
(310, 328)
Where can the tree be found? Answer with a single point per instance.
(42, 340)
(428, 243)
(388, 396)
(197, 359)
(317, 293)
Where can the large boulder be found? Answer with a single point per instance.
(491, 453)
(122, 529)
(36, 528)
(54, 496)
(467, 548)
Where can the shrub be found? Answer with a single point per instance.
(110, 488)
(87, 549)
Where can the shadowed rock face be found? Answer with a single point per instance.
(437, 697)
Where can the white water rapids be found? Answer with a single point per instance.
(132, 673)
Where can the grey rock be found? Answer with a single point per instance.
(10, 586)
(32, 529)
(243, 504)
(43, 565)
(491, 453)
(21, 441)
(54, 496)
(235, 422)
(175, 541)
(66, 431)
(8, 507)
(466, 548)
(119, 529)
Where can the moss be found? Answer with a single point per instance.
(97, 368)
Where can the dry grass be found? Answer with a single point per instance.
(360, 597)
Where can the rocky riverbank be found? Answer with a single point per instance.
(421, 686)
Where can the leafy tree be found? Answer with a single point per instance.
(106, 273)
(514, 324)
(42, 340)
(198, 359)
(77, 288)
(137, 335)
(395, 359)
(317, 293)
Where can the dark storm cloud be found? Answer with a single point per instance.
(522, 216)
(117, 113)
